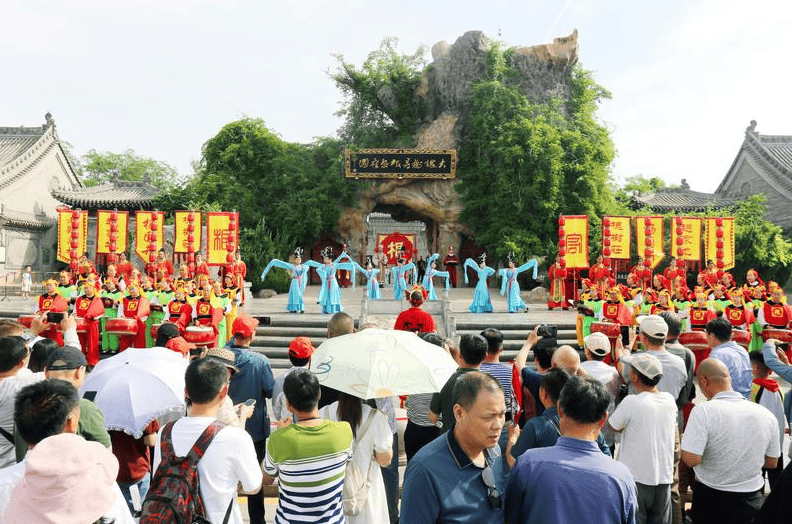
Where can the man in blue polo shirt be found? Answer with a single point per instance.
(573, 481)
(458, 476)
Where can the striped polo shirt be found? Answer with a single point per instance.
(309, 462)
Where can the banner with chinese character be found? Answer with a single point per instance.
(620, 237)
(656, 226)
(181, 231)
(576, 232)
(143, 232)
(65, 234)
(218, 235)
(691, 238)
(104, 233)
(397, 245)
(711, 240)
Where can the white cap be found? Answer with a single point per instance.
(653, 326)
(598, 344)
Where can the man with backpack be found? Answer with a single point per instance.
(198, 461)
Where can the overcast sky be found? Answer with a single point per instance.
(163, 76)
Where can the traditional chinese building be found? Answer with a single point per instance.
(681, 200)
(33, 162)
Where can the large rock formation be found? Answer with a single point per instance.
(544, 72)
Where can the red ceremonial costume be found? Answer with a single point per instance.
(416, 320)
(201, 269)
(208, 315)
(240, 272)
(124, 270)
(56, 304)
(557, 275)
(776, 314)
(643, 275)
(90, 309)
(671, 274)
(699, 316)
(180, 313)
(616, 312)
(165, 265)
(139, 309)
(598, 274)
(740, 317)
(451, 261)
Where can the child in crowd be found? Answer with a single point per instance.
(27, 282)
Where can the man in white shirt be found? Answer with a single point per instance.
(727, 441)
(597, 347)
(648, 422)
(230, 460)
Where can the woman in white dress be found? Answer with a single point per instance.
(376, 444)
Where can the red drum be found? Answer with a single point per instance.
(26, 320)
(153, 330)
(122, 326)
(696, 341)
(82, 325)
(199, 335)
(742, 337)
(612, 331)
(782, 335)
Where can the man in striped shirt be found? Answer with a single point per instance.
(503, 373)
(309, 457)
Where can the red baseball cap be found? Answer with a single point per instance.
(244, 326)
(301, 347)
(179, 345)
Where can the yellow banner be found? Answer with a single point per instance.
(103, 219)
(218, 236)
(711, 240)
(619, 237)
(143, 229)
(656, 225)
(577, 246)
(181, 221)
(64, 234)
(691, 238)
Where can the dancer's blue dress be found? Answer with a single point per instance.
(372, 284)
(299, 276)
(481, 298)
(399, 282)
(428, 282)
(511, 288)
(331, 296)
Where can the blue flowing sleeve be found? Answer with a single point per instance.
(276, 263)
(343, 256)
(504, 279)
(415, 271)
(347, 266)
(431, 259)
(313, 263)
(527, 266)
(447, 278)
(488, 271)
(469, 263)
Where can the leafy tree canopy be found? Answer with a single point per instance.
(98, 167)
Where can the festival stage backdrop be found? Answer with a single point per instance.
(67, 242)
(392, 244)
(105, 235)
(726, 247)
(575, 235)
(686, 238)
(656, 237)
(182, 233)
(620, 237)
(143, 233)
(219, 234)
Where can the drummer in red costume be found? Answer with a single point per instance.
(672, 272)
(663, 303)
(774, 313)
(711, 275)
(201, 268)
(206, 313)
(727, 281)
(557, 274)
(51, 301)
(179, 311)
(752, 281)
(124, 268)
(184, 276)
(90, 308)
(739, 316)
(614, 310)
(451, 261)
(598, 274)
(136, 306)
(700, 312)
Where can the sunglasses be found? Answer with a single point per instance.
(493, 497)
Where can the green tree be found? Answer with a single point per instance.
(642, 184)
(99, 167)
(758, 243)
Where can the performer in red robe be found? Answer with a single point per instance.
(51, 301)
(201, 268)
(124, 268)
(672, 272)
(700, 312)
(557, 275)
(206, 313)
(643, 274)
(240, 272)
(598, 274)
(179, 310)
(738, 315)
(451, 261)
(752, 282)
(138, 307)
(614, 310)
(712, 275)
(774, 313)
(90, 307)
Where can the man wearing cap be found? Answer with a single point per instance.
(647, 421)
(597, 347)
(653, 334)
(733, 356)
(232, 415)
(68, 363)
(253, 380)
(300, 351)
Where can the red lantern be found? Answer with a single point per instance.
(562, 261)
(719, 253)
(606, 222)
(562, 251)
(113, 246)
(191, 218)
(111, 258)
(648, 232)
(562, 242)
(230, 247)
(561, 221)
(680, 252)
(190, 257)
(230, 258)
(647, 222)
(561, 232)
(719, 222)
(73, 253)
(680, 241)
(152, 257)
(679, 221)
(154, 224)
(75, 244)
(113, 227)
(719, 233)
(648, 242)
(73, 265)
(719, 244)
(113, 237)
(190, 228)
(647, 254)
(606, 242)
(606, 232)
(607, 261)
(190, 238)
(75, 215)
(152, 247)
(75, 234)
(76, 224)
(113, 216)
(605, 254)
(720, 264)
(680, 231)
(647, 262)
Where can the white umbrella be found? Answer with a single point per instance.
(136, 386)
(376, 363)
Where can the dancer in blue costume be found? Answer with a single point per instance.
(509, 285)
(372, 284)
(299, 276)
(399, 282)
(431, 272)
(481, 298)
(331, 296)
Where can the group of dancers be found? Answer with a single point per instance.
(751, 308)
(191, 300)
(330, 292)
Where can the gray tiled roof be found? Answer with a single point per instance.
(779, 147)
(681, 199)
(119, 194)
(16, 140)
(26, 220)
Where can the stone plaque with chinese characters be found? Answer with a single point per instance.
(400, 163)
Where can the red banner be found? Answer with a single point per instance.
(392, 246)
